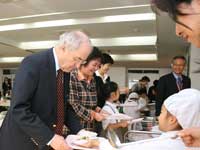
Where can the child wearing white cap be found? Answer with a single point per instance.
(179, 111)
(135, 105)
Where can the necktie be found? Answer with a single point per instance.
(60, 103)
(179, 83)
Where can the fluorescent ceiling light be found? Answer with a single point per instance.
(37, 45)
(135, 57)
(68, 22)
(100, 42)
(131, 57)
(125, 41)
(70, 12)
(11, 59)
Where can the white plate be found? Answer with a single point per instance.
(128, 105)
(135, 120)
(119, 116)
(73, 141)
(89, 134)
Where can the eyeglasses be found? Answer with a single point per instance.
(184, 14)
(159, 11)
(79, 60)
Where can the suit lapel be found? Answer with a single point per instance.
(52, 76)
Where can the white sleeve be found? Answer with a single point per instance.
(106, 122)
(142, 103)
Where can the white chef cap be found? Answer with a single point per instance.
(133, 95)
(185, 106)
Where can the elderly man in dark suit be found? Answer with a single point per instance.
(172, 82)
(33, 121)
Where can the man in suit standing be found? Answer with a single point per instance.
(32, 121)
(172, 82)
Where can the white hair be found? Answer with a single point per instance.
(73, 39)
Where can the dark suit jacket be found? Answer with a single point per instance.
(99, 87)
(166, 87)
(29, 122)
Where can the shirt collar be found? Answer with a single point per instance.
(113, 105)
(169, 134)
(176, 76)
(97, 73)
(56, 60)
(104, 77)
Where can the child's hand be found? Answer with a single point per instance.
(99, 116)
(98, 109)
(123, 124)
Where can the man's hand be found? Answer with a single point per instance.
(191, 136)
(59, 143)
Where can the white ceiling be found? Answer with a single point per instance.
(86, 12)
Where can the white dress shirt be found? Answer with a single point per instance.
(110, 108)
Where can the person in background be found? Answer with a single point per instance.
(83, 94)
(102, 77)
(107, 62)
(172, 120)
(5, 86)
(152, 92)
(111, 94)
(36, 116)
(186, 15)
(173, 82)
(102, 74)
(134, 110)
(143, 83)
(143, 101)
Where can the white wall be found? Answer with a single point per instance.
(152, 76)
(118, 75)
(121, 76)
(195, 67)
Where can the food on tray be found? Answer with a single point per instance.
(90, 143)
(86, 139)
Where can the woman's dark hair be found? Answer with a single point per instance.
(95, 54)
(108, 88)
(169, 6)
(107, 59)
